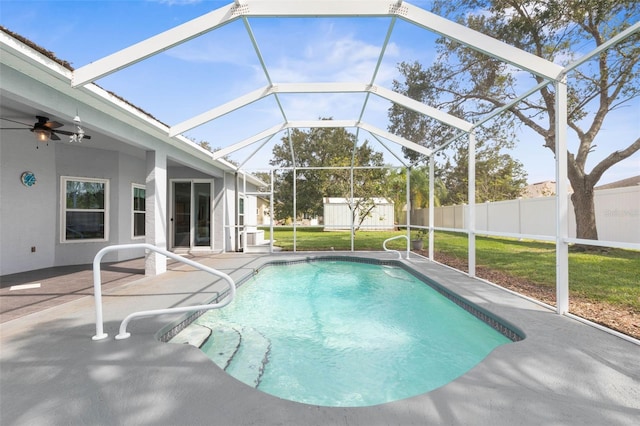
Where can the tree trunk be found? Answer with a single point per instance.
(585, 212)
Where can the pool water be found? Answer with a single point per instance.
(344, 334)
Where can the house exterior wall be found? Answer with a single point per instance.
(27, 214)
(217, 232)
(217, 218)
(126, 146)
(262, 209)
(80, 161)
(31, 216)
(230, 241)
(233, 240)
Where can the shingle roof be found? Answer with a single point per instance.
(632, 181)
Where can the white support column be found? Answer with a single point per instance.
(408, 170)
(295, 207)
(156, 208)
(562, 199)
(471, 226)
(226, 238)
(244, 213)
(353, 206)
(431, 206)
(272, 214)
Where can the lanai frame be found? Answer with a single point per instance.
(244, 9)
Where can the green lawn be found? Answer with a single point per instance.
(610, 276)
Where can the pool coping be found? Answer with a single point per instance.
(564, 372)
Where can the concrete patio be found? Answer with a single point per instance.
(52, 373)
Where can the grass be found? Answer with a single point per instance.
(315, 238)
(610, 276)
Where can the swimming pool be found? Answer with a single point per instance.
(345, 332)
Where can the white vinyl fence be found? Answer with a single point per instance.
(617, 216)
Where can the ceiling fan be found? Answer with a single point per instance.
(45, 129)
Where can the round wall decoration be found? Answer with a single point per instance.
(28, 178)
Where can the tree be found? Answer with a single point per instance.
(472, 84)
(396, 187)
(498, 175)
(325, 147)
(206, 145)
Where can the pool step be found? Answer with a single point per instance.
(223, 345)
(194, 335)
(241, 351)
(247, 364)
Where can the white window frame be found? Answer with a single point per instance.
(135, 186)
(242, 206)
(64, 209)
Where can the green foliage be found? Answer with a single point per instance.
(204, 144)
(325, 147)
(498, 175)
(396, 187)
(420, 234)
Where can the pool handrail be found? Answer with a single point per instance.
(384, 245)
(97, 290)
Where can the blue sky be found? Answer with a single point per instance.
(221, 65)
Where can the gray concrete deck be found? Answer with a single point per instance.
(52, 372)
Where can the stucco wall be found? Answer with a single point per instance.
(27, 217)
(86, 162)
(30, 216)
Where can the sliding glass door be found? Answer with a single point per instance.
(191, 218)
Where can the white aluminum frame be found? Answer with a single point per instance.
(244, 9)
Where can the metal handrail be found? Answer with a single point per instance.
(97, 290)
(384, 245)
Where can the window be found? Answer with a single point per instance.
(85, 213)
(241, 211)
(138, 194)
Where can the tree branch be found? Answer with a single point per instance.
(611, 159)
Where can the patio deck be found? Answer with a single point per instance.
(52, 372)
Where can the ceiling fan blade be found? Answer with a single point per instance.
(14, 121)
(52, 124)
(86, 137)
(62, 132)
(54, 137)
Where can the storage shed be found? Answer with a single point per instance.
(337, 215)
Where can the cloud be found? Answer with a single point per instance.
(332, 57)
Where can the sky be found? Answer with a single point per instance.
(219, 66)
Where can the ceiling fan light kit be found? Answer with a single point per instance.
(45, 130)
(42, 135)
